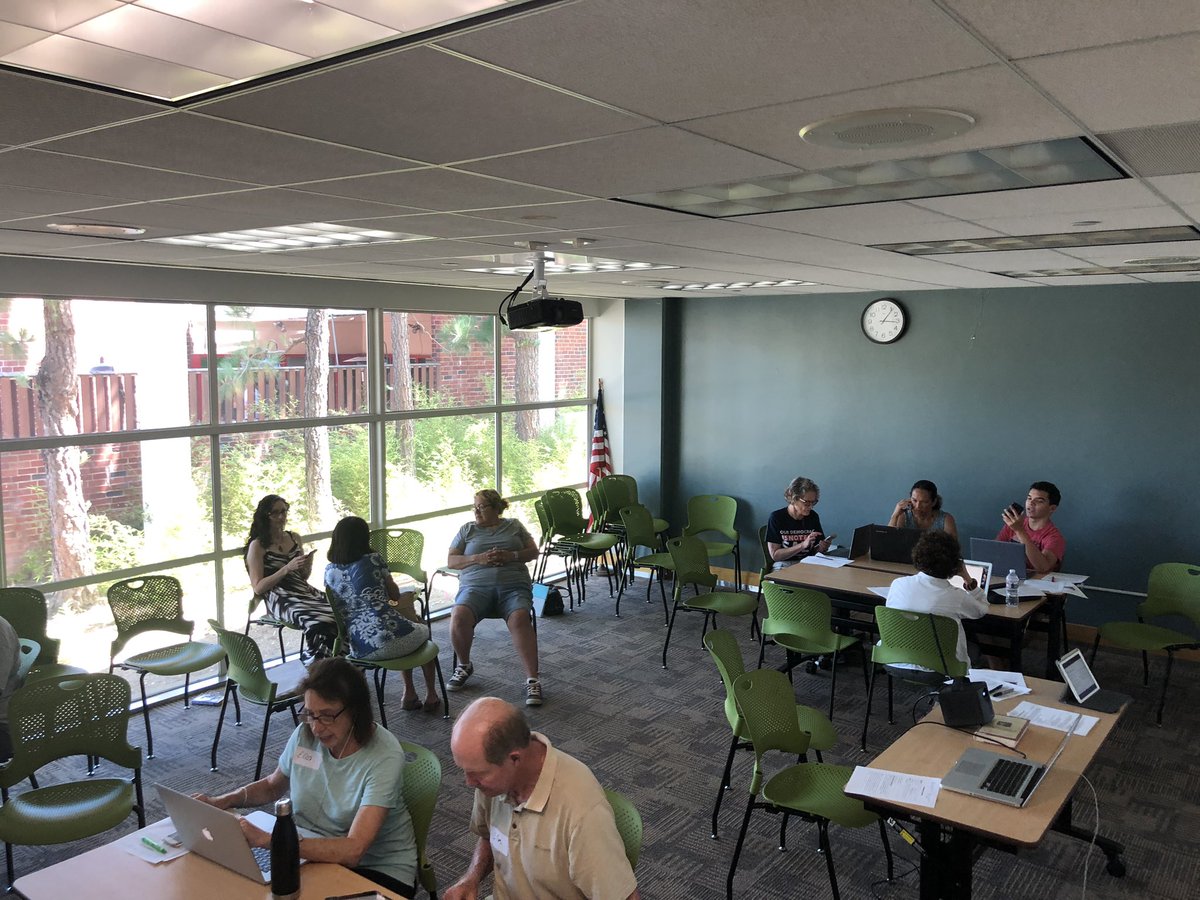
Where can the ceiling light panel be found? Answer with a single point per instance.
(1045, 241)
(734, 285)
(177, 49)
(290, 238)
(1066, 161)
(1103, 270)
(556, 264)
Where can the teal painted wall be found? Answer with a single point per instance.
(1094, 388)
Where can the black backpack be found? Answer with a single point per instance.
(547, 600)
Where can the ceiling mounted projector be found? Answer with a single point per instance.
(541, 311)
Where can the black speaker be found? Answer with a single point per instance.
(965, 704)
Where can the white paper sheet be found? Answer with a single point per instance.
(898, 787)
(820, 559)
(132, 843)
(1048, 717)
(1011, 684)
(1053, 585)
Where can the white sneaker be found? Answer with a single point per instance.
(460, 676)
(533, 692)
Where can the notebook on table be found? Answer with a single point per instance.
(1082, 687)
(216, 835)
(1004, 779)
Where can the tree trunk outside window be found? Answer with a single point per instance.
(402, 391)
(525, 345)
(316, 405)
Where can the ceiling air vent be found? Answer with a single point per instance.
(887, 128)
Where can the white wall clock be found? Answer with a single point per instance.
(884, 320)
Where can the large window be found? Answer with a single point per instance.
(138, 437)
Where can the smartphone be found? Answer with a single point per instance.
(829, 537)
(1017, 508)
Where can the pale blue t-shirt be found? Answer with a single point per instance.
(507, 534)
(326, 799)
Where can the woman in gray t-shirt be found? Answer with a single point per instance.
(492, 554)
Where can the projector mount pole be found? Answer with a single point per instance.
(539, 269)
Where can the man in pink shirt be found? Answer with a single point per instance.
(1044, 544)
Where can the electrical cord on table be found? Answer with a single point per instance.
(978, 737)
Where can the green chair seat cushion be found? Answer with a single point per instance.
(661, 525)
(658, 560)
(1140, 636)
(426, 653)
(829, 643)
(52, 670)
(821, 733)
(725, 603)
(66, 812)
(178, 659)
(596, 543)
(817, 789)
(718, 548)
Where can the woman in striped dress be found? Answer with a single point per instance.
(279, 570)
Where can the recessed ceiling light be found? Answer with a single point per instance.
(1086, 223)
(537, 217)
(1187, 268)
(1162, 261)
(560, 263)
(875, 128)
(291, 238)
(580, 242)
(733, 285)
(1041, 164)
(97, 230)
(1046, 241)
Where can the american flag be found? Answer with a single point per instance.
(600, 463)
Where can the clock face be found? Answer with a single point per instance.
(884, 320)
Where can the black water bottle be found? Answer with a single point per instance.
(285, 853)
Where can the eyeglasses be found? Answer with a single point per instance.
(279, 512)
(482, 508)
(800, 501)
(323, 718)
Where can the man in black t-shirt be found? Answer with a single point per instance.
(794, 532)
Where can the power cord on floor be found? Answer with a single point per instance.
(876, 885)
(1095, 834)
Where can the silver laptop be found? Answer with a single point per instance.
(1003, 555)
(215, 834)
(1005, 779)
(1082, 687)
(980, 571)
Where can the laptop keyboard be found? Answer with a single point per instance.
(1006, 777)
(262, 856)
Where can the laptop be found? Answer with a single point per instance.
(1082, 687)
(980, 571)
(1005, 779)
(1003, 555)
(861, 544)
(893, 544)
(216, 835)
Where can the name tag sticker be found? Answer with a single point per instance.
(499, 841)
(310, 759)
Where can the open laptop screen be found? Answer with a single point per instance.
(980, 571)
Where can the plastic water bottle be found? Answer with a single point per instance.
(285, 853)
(1012, 581)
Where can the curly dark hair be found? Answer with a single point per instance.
(938, 554)
(339, 681)
(351, 541)
(260, 525)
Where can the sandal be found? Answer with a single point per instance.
(411, 705)
(431, 706)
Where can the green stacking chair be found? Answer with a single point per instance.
(155, 603)
(422, 781)
(549, 547)
(811, 791)
(274, 690)
(622, 491)
(427, 652)
(714, 514)
(266, 620)
(691, 567)
(629, 825)
(564, 510)
(402, 550)
(1174, 590)
(798, 619)
(909, 639)
(639, 532)
(27, 652)
(25, 610)
(723, 648)
(72, 715)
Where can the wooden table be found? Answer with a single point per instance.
(951, 833)
(110, 873)
(849, 587)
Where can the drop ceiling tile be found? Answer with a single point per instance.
(141, 251)
(164, 219)
(580, 215)
(185, 142)
(1068, 198)
(443, 190)
(1176, 188)
(654, 159)
(445, 225)
(1007, 111)
(1007, 260)
(1119, 254)
(55, 171)
(1169, 277)
(1064, 222)
(21, 203)
(872, 223)
(1124, 86)
(1021, 28)
(1083, 280)
(465, 110)
(675, 59)
(400, 252)
(14, 37)
(48, 242)
(289, 207)
(32, 109)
